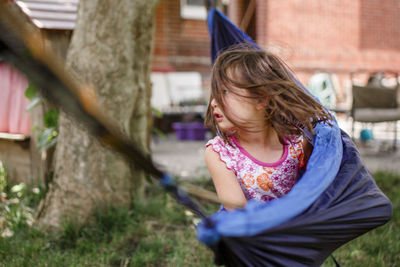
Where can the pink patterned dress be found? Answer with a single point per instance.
(259, 180)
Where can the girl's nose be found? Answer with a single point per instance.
(213, 103)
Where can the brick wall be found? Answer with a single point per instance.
(380, 24)
(313, 34)
(337, 36)
(334, 35)
(180, 44)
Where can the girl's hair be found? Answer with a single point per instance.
(264, 76)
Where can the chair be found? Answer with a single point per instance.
(321, 86)
(375, 103)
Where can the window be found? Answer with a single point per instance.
(193, 9)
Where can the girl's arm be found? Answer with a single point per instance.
(226, 184)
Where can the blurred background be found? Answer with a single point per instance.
(330, 45)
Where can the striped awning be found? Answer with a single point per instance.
(51, 14)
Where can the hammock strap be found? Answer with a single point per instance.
(335, 261)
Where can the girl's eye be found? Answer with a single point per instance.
(225, 91)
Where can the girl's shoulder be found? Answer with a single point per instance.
(218, 143)
(226, 149)
(297, 141)
(214, 140)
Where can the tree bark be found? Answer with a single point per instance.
(111, 49)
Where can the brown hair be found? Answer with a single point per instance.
(265, 76)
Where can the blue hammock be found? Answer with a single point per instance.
(335, 200)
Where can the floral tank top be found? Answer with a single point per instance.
(259, 180)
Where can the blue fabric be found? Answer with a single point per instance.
(350, 206)
(335, 200)
(223, 33)
(322, 168)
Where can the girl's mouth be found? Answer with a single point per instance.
(218, 116)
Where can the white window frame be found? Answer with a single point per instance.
(193, 12)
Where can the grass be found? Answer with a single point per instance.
(381, 246)
(155, 232)
(159, 232)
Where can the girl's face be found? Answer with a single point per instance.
(244, 111)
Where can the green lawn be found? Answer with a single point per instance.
(381, 246)
(159, 232)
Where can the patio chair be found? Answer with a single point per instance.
(321, 86)
(375, 103)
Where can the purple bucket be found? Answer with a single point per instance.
(196, 131)
(189, 130)
(180, 130)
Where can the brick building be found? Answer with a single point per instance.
(335, 36)
(180, 43)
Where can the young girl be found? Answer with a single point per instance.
(260, 114)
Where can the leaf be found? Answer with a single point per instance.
(44, 136)
(159, 132)
(157, 112)
(149, 180)
(50, 119)
(31, 91)
(47, 138)
(34, 102)
(52, 143)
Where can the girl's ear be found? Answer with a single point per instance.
(262, 103)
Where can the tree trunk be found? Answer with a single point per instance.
(111, 49)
